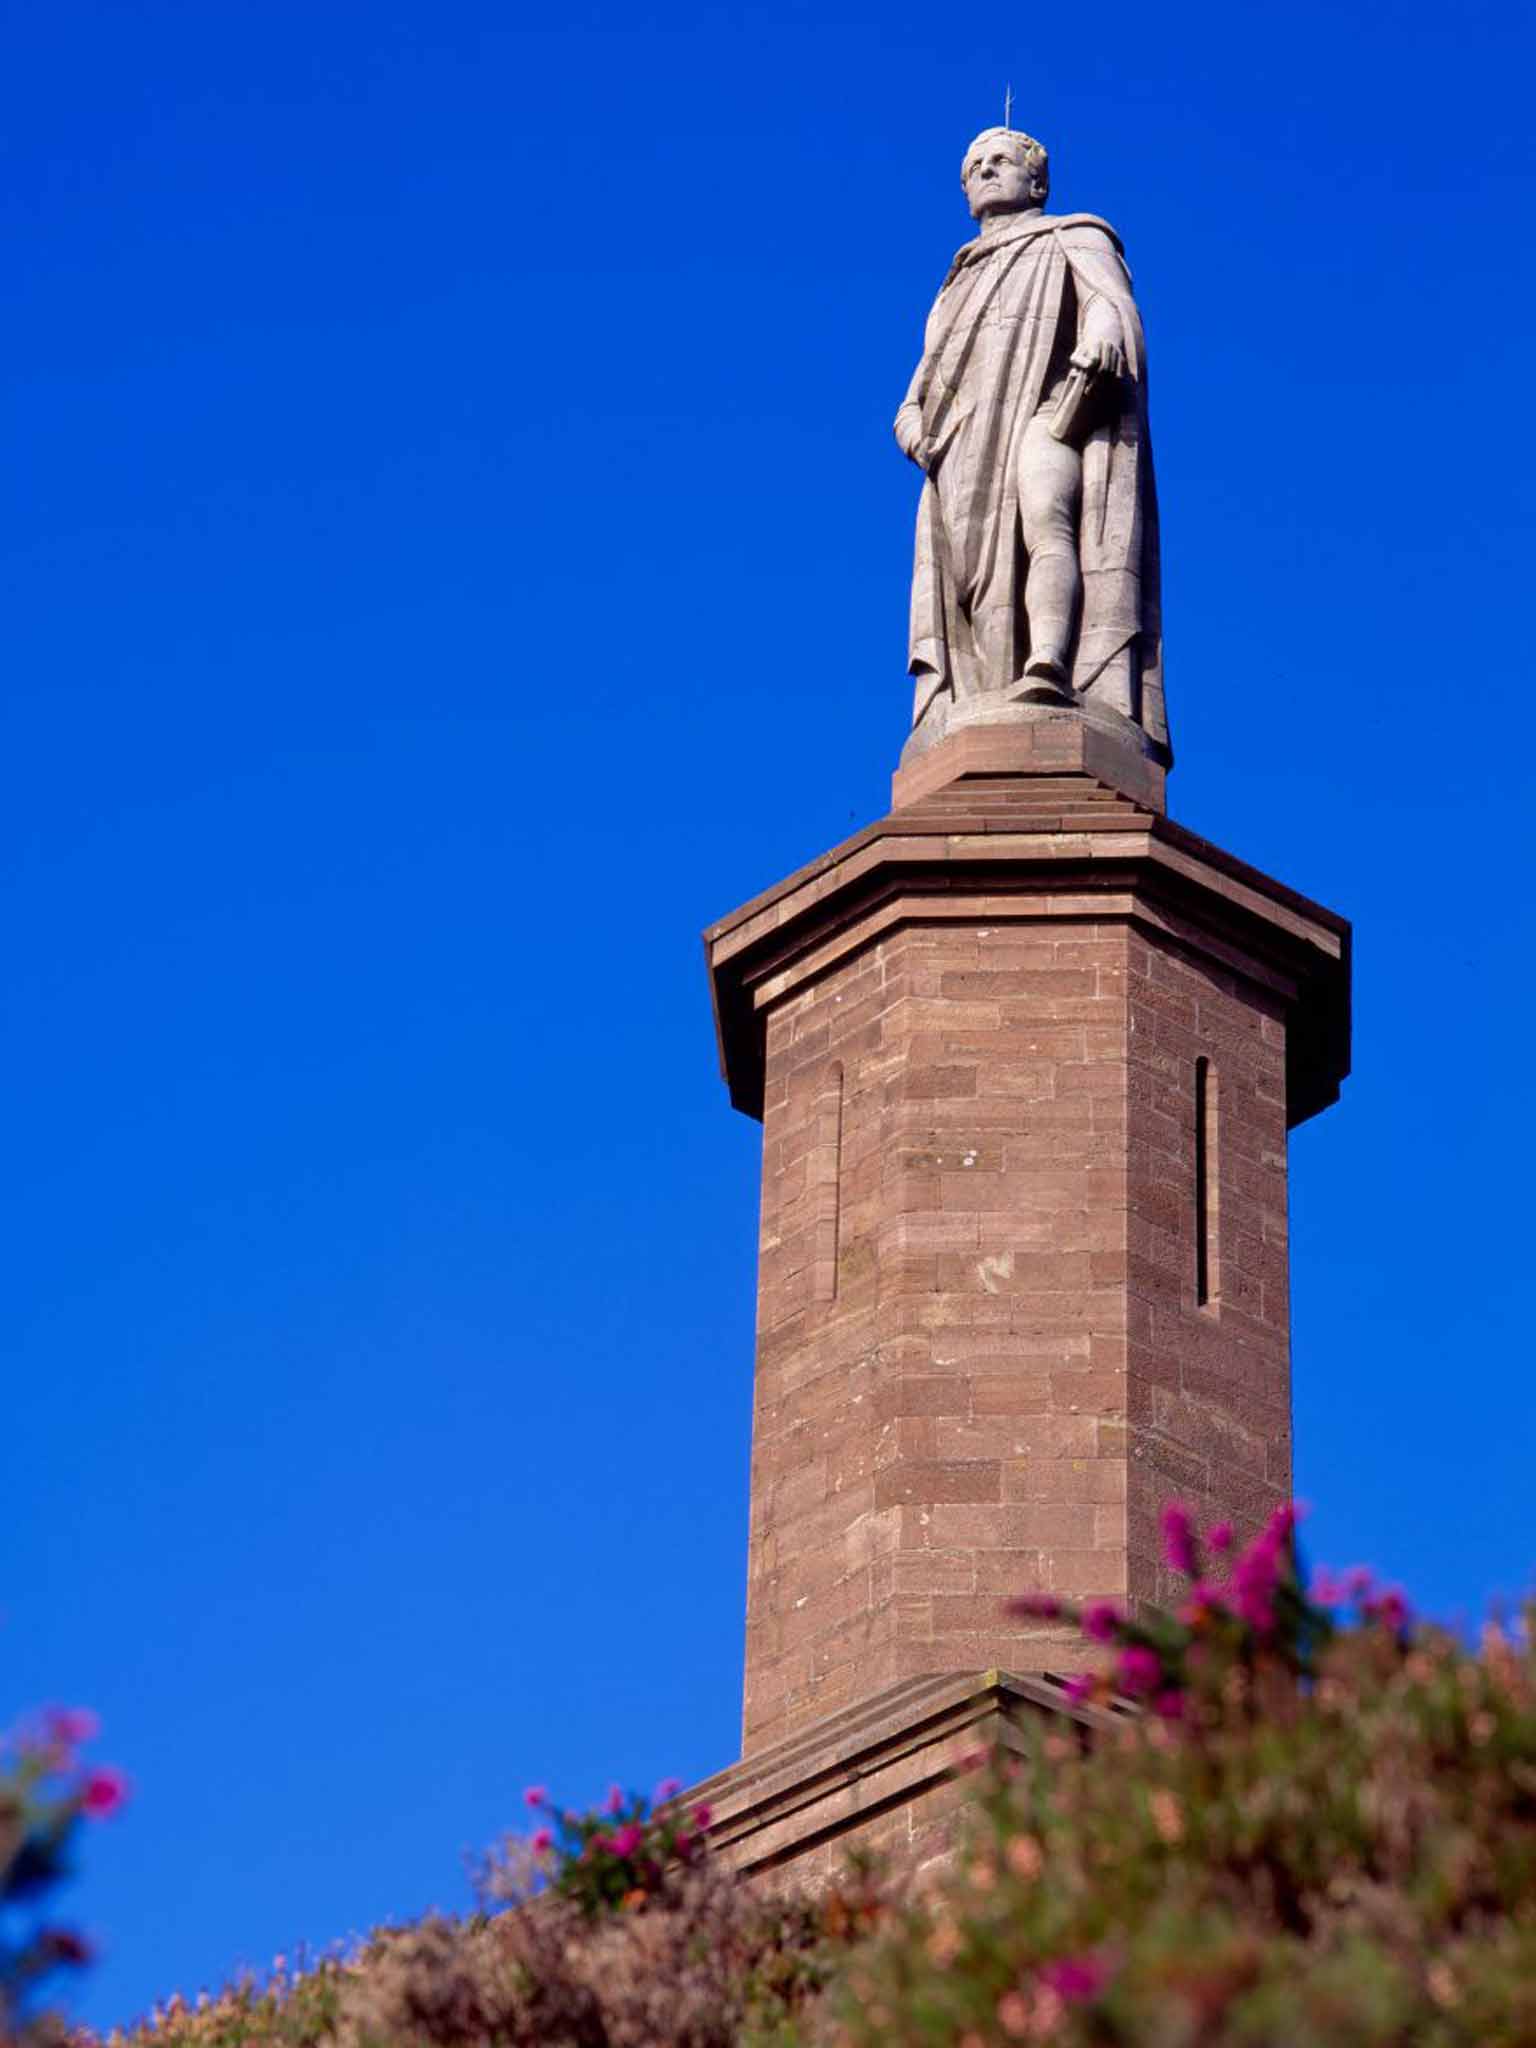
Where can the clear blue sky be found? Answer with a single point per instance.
(453, 549)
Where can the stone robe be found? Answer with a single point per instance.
(996, 349)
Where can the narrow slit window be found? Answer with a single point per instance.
(826, 1179)
(1207, 1243)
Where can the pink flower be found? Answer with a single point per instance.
(627, 1840)
(536, 1796)
(1169, 1705)
(702, 1816)
(614, 1803)
(1034, 1607)
(1080, 1686)
(1390, 1608)
(1140, 1669)
(667, 1789)
(1075, 1979)
(72, 1725)
(1179, 1545)
(1101, 1620)
(102, 1793)
(1327, 1589)
(1358, 1581)
(1204, 1600)
(1255, 1578)
(1219, 1537)
(1280, 1527)
(543, 1842)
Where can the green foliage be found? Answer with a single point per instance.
(1301, 1821)
(1327, 1836)
(45, 1794)
(622, 1857)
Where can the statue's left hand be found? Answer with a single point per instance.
(1099, 358)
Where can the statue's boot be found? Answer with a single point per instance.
(1044, 681)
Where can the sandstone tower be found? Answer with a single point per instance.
(1025, 1054)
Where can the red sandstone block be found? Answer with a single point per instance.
(1003, 1574)
(947, 1394)
(933, 1571)
(990, 1436)
(1059, 1436)
(1021, 1391)
(928, 1084)
(935, 1480)
(832, 1520)
(975, 1613)
(1045, 1525)
(1089, 1480)
(970, 1527)
(1087, 1574)
(927, 1233)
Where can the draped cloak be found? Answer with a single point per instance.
(997, 344)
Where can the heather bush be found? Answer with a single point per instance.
(1320, 1829)
(1302, 1820)
(623, 1856)
(587, 1937)
(46, 1791)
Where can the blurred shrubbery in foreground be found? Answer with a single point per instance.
(1318, 1827)
(46, 1791)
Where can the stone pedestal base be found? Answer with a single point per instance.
(1033, 739)
(885, 1776)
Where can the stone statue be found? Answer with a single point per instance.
(1035, 582)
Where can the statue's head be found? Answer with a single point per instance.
(1003, 171)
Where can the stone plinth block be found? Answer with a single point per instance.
(1025, 1054)
(886, 1776)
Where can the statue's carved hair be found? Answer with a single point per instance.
(1036, 162)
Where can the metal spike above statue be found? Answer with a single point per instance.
(1035, 585)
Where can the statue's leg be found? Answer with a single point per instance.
(1050, 493)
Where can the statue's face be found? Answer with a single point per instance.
(996, 178)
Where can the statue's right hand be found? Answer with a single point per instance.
(910, 438)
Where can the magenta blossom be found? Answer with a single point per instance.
(1389, 1607)
(614, 1803)
(536, 1795)
(667, 1789)
(1179, 1545)
(72, 1725)
(1080, 1686)
(1140, 1670)
(1327, 1589)
(1169, 1704)
(1035, 1607)
(1219, 1537)
(1204, 1599)
(1075, 1979)
(627, 1840)
(102, 1793)
(543, 1842)
(702, 1816)
(1101, 1621)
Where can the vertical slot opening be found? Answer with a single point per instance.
(1207, 1252)
(827, 1175)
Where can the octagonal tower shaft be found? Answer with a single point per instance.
(1025, 1056)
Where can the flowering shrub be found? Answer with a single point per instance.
(623, 1856)
(683, 1958)
(1320, 1829)
(1315, 1827)
(45, 1792)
